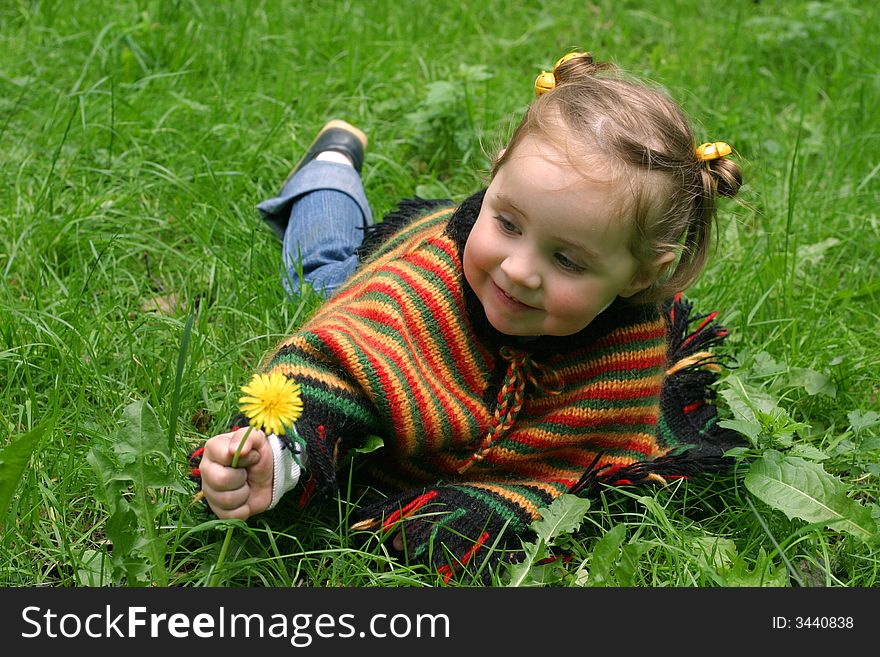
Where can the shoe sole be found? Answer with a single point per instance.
(330, 125)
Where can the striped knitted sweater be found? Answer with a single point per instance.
(482, 430)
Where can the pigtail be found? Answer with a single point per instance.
(579, 65)
(725, 176)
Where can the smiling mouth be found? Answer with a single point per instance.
(511, 299)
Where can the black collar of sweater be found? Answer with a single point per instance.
(620, 313)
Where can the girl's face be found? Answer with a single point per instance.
(550, 249)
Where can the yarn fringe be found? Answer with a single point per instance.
(689, 418)
(407, 211)
(690, 347)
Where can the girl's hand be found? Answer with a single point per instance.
(243, 491)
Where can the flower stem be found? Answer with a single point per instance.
(215, 575)
(237, 454)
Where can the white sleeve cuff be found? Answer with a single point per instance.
(287, 470)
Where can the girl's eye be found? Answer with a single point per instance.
(568, 265)
(506, 225)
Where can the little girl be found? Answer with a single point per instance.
(514, 347)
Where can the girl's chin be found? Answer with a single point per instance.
(510, 326)
(520, 327)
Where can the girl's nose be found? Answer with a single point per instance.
(520, 270)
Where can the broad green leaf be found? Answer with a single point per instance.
(765, 365)
(475, 72)
(605, 555)
(140, 434)
(142, 450)
(714, 552)
(109, 488)
(749, 428)
(780, 426)
(808, 452)
(129, 547)
(148, 475)
(563, 516)
(521, 572)
(810, 255)
(94, 569)
(860, 421)
(14, 459)
(626, 569)
(869, 444)
(546, 574)
(745, 401)
(371, 444)
(737, 452)
(804, 490)
(813, 382)
(757, 415)
(763, 574)
(441, 93)
(128, 475)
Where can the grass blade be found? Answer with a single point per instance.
(178, 378)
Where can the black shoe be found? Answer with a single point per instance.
(336, 136)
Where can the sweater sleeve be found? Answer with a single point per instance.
(337, 411)
(453, 528)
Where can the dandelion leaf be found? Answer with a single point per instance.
(132, 479)
(139, 434)
(813, 382)
(141, 449)
(92, 569)
(745, 401)
(14, 459)
(765, 573)
(859, 421)
(526, 572)
(714, 552)
(371, 444)
(628, 565)
(129, 555)
(804, 490)
(606, 552)
(563, 516)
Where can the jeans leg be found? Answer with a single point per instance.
(325, 230)
(320, 215)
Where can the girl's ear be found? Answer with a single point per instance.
(648, 275)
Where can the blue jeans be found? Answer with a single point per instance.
(320, 215)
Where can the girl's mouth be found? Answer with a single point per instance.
(509, 300)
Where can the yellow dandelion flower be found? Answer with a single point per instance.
(272, 402)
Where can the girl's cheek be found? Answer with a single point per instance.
(571, 304)
(478, 248)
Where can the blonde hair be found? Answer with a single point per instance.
(627, 122)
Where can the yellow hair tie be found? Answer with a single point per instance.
(713, 150)
(544, 82)
(547, 81)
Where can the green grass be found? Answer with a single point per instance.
(136, 138)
